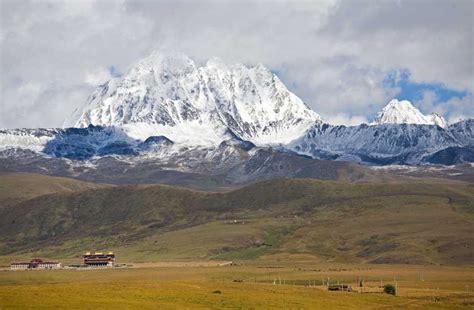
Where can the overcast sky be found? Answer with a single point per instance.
(345, 59)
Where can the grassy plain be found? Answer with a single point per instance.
(249, 286)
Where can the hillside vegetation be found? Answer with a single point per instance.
(416, 223)
(16, 187)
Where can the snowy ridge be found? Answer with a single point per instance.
(28, 139)
(377, 144)
(388, 143)
(403, 112)
(168, 93)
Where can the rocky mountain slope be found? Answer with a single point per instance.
(385, 144)
(105, 154)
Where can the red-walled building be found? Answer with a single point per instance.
(99, 259)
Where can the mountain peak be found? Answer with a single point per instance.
(438, 120)
(403, 112)
(167, 91)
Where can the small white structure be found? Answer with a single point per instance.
(35, 263)
(19, 265)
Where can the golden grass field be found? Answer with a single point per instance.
(191, 286)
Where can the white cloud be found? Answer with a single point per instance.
(333, 54)
(455, 109)
(339, 86)
(429, 103)
(433, 40)
(344, 119)
(460, 108)
(98, 77)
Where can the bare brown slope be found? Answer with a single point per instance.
(16, 187)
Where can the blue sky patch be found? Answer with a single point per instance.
(414, 91)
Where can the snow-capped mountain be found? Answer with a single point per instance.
(173, 121)
(387, 143)
(403, 112)
(399, 134)
(169, 94)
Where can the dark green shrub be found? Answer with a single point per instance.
(390, 289)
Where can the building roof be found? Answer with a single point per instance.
(36, 261)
